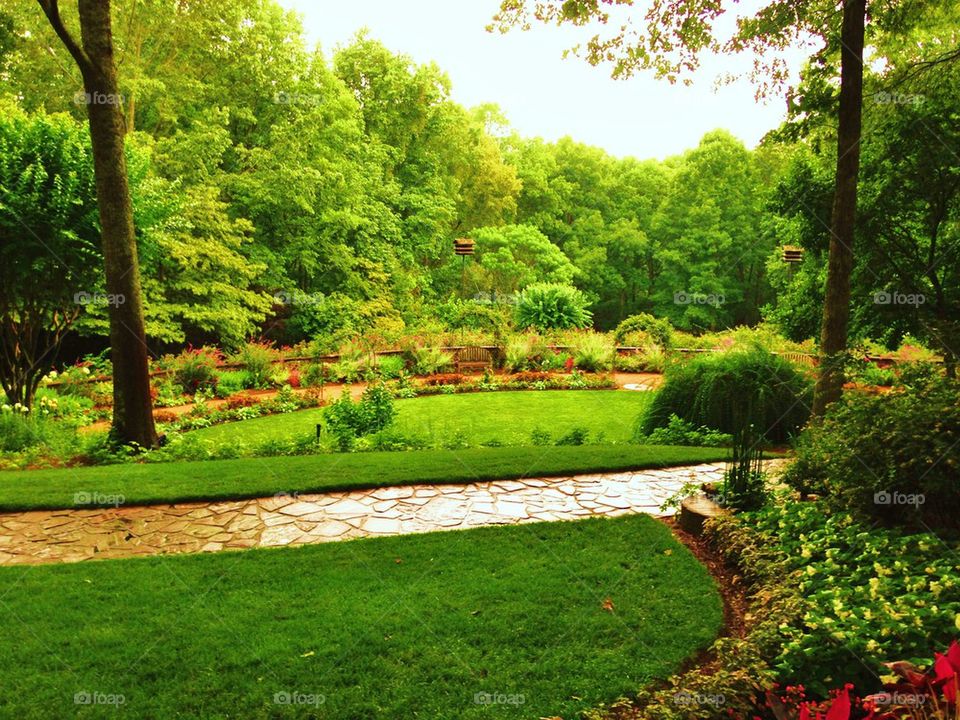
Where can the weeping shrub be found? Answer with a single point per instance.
(551, 306)
(727, 391)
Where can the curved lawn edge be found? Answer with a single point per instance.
(150, 484)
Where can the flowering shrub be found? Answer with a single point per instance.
(195, 369)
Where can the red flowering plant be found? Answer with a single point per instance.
(910, 693)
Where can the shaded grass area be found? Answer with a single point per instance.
(141, 484)
(506, 417)
(418, 626)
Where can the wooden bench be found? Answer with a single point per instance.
(472, 358)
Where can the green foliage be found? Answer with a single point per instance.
(230, 382)
(515, 256)
(348, 420)
(733, 389)
(256, 359)
(680, 432)
(49, 230)
(594, 352)
(428, 360)
(525, 352)
(488, 317)
(862, 592)
(195, 369)
(658, 330)
(390, 367)
(574, 436)
(744, 481)
(892, 457)
(550, 306)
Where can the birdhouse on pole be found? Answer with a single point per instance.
(792, 254)
(463, 246)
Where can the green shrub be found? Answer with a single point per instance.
(313, 374)
(75, 380)
(574, 436)
(594, 352)
(390, 367)
(230, 382)
(870, 374)
(728, 390)
(680, 432)
(257, 359)
(550, 306)
(525, 352)
(892, 457)
(348, 420)
(426, 360)
(658, 330)
(21, 431)
(652, 359)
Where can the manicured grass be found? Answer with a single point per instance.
(262, 477)
(406, 627)
(508, 417)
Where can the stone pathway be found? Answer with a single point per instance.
(49, 536)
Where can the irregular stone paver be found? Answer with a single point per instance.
(82, 534)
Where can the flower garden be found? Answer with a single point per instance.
(328, 397)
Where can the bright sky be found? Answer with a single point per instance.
(541, 93)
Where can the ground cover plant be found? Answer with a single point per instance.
(554, 616)
(830, 601)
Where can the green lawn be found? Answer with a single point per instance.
(508, 417)
(262, 477)
(407, 627)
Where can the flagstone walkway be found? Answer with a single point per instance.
(49, 536)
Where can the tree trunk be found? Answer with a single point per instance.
(132, 406)
(836, 304)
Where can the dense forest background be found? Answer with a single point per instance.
(288, 192)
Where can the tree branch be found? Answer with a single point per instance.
(52, 11)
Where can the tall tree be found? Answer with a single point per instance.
(132, 406)
(836, 299)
